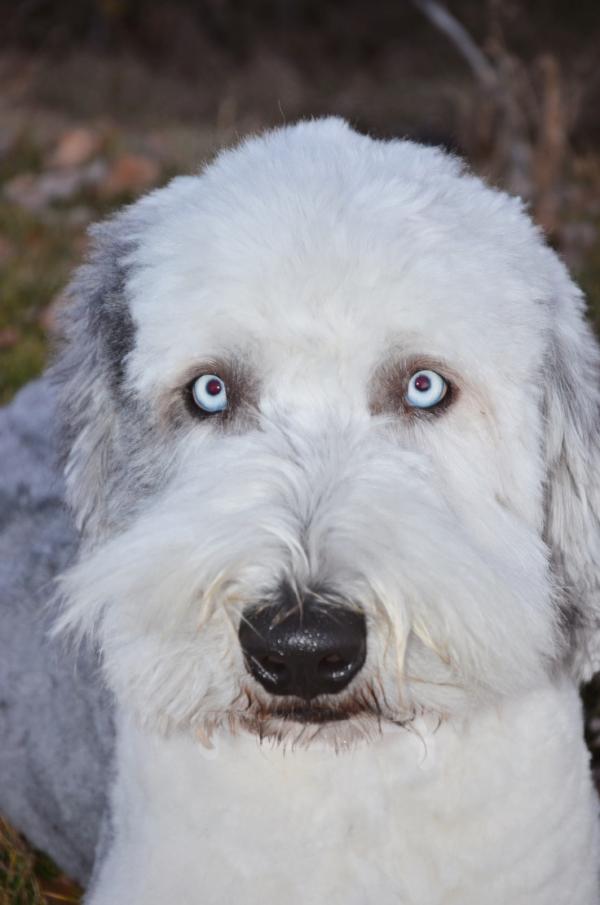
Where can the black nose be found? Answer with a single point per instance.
(303, 649)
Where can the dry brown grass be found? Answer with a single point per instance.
(18, 883)
(28, 877)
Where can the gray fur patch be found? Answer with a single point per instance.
(56, 726)
(107, 431)
(572, 497)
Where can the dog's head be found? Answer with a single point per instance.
(331, 416)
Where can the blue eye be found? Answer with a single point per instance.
(426, 389)
(209, 393)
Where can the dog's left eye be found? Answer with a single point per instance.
(426, 389)
(209, 393)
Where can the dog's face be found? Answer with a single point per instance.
(331, 411)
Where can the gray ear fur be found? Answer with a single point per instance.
(573, 475)
(98, 332)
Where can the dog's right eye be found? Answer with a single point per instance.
(209, 393)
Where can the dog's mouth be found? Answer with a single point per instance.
(320, 710)
(309, 714)
(339, 721)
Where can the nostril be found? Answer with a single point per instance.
(273, 664)
(333, 666)
(332, 660)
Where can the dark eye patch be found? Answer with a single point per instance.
(240, 386)
(391, 388)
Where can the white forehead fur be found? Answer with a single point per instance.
(319, 237)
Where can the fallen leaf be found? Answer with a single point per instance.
(76, 147)
(130, 174)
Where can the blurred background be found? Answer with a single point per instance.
(101, 100)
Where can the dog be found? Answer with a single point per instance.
(330, 417)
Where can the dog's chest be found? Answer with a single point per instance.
(499, 812)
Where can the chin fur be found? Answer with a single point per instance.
(339, 723)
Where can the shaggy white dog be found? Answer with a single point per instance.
(333, 412)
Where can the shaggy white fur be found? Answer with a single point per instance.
(315, 271)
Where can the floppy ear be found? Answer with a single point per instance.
(573, 473)
(97, 332)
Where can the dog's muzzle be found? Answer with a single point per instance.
(303, 648)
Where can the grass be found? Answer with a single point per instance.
(38, 251)
(18, 882)
(30, 278)
(28, 877)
